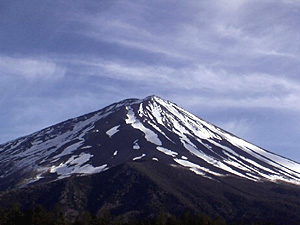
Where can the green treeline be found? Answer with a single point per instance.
(40, 216)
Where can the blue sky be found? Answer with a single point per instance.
(234, 63)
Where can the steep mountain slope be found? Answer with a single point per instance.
(150, 129)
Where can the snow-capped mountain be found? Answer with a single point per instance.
(151, 129)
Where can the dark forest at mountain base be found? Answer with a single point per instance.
(13, 215)
(139, 190)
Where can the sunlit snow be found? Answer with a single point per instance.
(135, 123)
(139, 157)
(136, 145)
(167, 151)
(74, 165)
(112, 131)
(63, 149)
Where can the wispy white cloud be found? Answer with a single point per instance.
(215, 32)
(241, 127)
(38, 113)
(285, 103)
(218, 35)
(30, 68)
(116, 31)
(196, 77)
(208, 85)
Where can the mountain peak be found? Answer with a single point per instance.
(152, 97)
(137, 130)
(141, 146)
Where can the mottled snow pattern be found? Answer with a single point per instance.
(56, 149)
(135, 123)
(186, 125)
(37, 156)
(196, 168)
(75, 164)
(256, 151)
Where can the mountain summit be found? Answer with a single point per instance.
(138, 158)
(150, 129)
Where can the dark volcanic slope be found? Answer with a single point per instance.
(151, 129)
(141, 190)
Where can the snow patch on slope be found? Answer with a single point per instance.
(74, 165)
(112, 131)
(196, 168)
(136, 124)
(139, 157)
(136, 145)
(167, 151)
(57, 149)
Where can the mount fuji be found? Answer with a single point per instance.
(151, 136)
